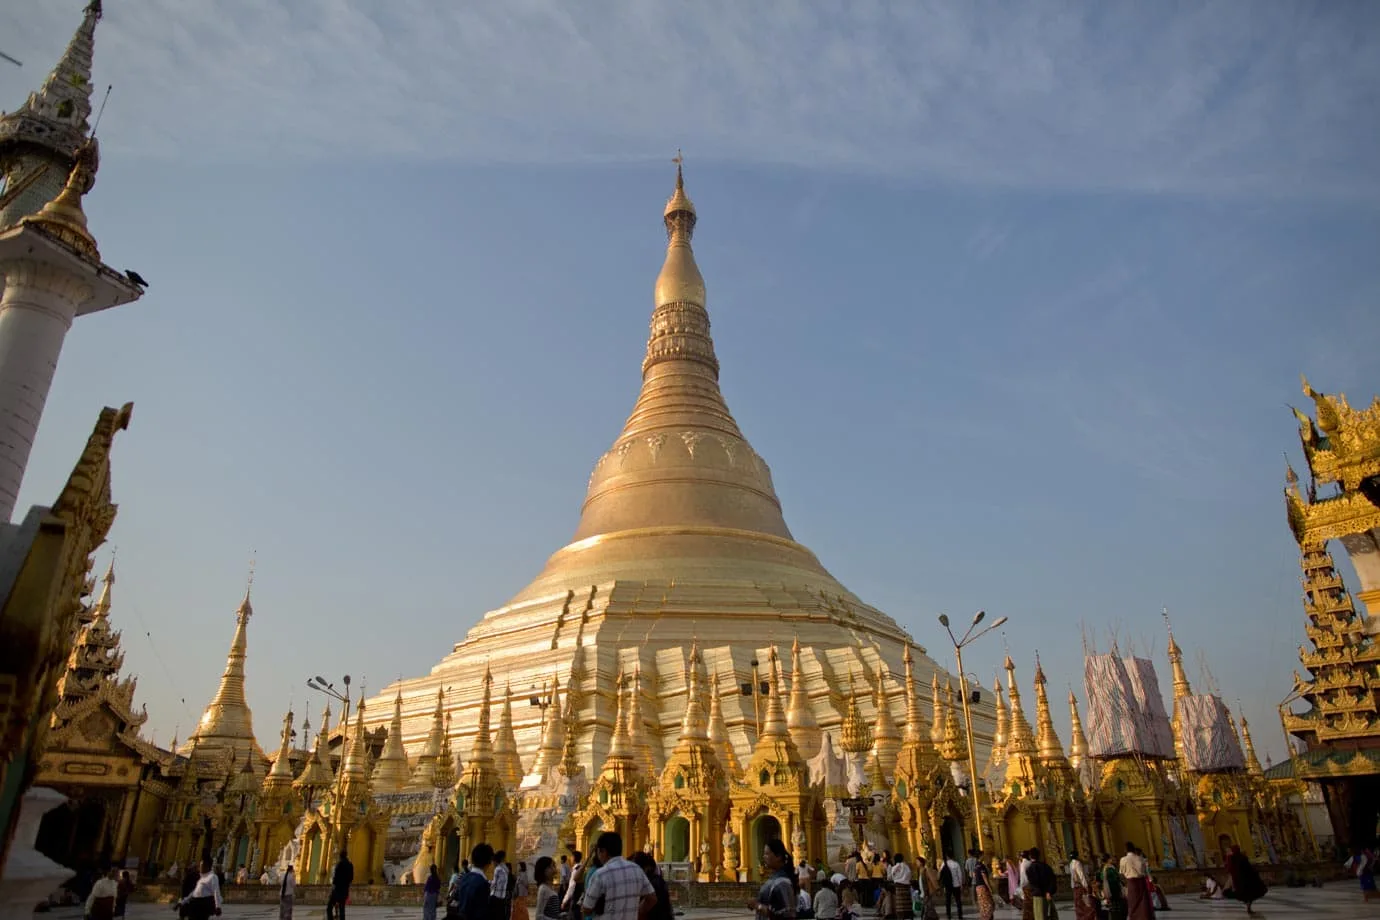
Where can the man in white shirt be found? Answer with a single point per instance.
(1134, 869)
(100, 903)
(498, 888)
(954, 893)
(1078, 881)
(205, 897)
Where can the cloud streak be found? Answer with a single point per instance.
(1259, 99)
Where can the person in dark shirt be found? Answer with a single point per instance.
(472, 901)
(1041, 884)
(341, 880)
(662, 909)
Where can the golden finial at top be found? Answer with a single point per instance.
(679, 201)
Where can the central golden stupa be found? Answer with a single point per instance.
(681, 538)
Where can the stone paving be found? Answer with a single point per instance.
(1338, 901)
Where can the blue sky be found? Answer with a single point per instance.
(1011, 298)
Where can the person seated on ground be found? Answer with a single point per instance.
(1212, 891)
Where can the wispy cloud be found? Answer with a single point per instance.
(1276, 99)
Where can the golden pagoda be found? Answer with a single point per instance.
(681, 534)
(226, 729)
(1341, 728)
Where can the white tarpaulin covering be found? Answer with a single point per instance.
(1113, 715)
(1210, 745)
(1156, 732)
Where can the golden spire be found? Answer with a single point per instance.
(937, 713)
(506, 757)
(482, 750)
(356, 765)
(1176, 664)
(1051, 749)
(445, 773)
(280, 776)
(718, 734)
(774, 725)
(639, 734)
(316, 772)
(227, 723)
(999, 734)
(392, 772)
(800, 718)
(953, 749)
(570, 760)
(63, 217)
(552, 732)
(693, 727)
(424, 774)
(886, 738)
(1252, 762)
(855, 735)
(915, 719)
(1020, 742)
(620, 746)
(102, 606)
(1078, 742)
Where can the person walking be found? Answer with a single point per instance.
(898, 879)
(1084, 907)
(341, 879)
(951, 877)
(663, 909)
(124, 888)
(287, 892)
(1041, 886)
(100, 902)
(1133, 870)
(776, 898)
(624, 889)
(431, 893)
(203, 900)
(498, 888)
(982, 889)
(473, 891)
(521, 892)
(547, 877)
(1246, 885)
(1113, 890)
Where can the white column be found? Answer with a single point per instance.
(39, 303)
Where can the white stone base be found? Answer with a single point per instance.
(28, 877)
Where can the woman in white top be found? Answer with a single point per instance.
(899, 876)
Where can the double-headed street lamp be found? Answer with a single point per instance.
(959, 643)
(322, 685)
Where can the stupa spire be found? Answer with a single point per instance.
(937, 713)
(718, 733)
(227, 722)
(1078, 741)
(55, 119)
(1051, 749)
(392, 771)
(482, 751)
(102, 606)
(681, 460)
(621, 747)
(886, 738)
(1020, 742)
(1176, 664)
(357, 758)
(280, 775)
(1248, 746)
(693, 727)
(774, 725)
(424, 774)
(915, 732)
(800, 718)
(445, 773)
(855, 735)
(316, 772)
(999, 733)
(638, 732)
(506, 758)
(953, 736)
(552, 732)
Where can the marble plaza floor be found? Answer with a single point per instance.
(1339, 901)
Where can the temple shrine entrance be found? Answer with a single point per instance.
(764, 828)
(75, 835)
(951, 838)
(677, 839)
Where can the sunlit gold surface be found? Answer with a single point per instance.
(681, 536)
(227, 725)
(63, 217)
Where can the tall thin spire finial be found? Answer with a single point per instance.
(679, 160)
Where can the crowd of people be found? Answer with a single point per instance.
(608, 886)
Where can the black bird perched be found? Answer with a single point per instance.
(136, 278)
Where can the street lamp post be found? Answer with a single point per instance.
(959, 643)
(757, 689)
(322, 685)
